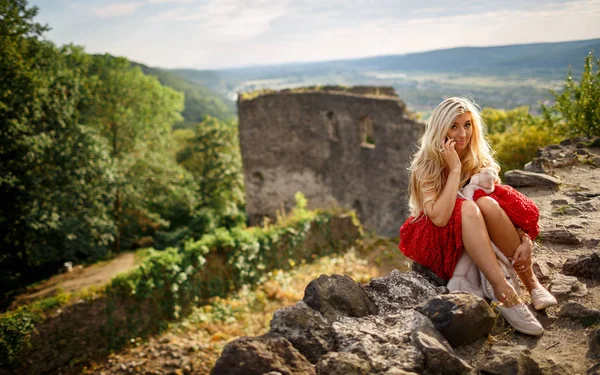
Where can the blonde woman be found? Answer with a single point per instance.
(443, 224)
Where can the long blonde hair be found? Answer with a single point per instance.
(427, 176)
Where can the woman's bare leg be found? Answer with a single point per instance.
(478, 245)
(504, 234)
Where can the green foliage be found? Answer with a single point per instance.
(515, 135)
(16, 326)
(54, 171)
(174, 280)
(200, 102)
(576, 109)
(498, 121)
(88, 159)
(15, 329)
(135, 113)
(211, 155)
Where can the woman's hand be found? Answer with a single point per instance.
(450, 155)
(521, 259)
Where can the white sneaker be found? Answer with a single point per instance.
(521, 319)
(541, 298)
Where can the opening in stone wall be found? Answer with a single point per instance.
(333, 127)
(367, 133)
(258, 176)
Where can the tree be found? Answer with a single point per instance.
(576, 108)
(213, 157)
(135, 113)
(52, 206)
(499, 121)
(516, 135)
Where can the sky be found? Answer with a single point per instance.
(212, 34)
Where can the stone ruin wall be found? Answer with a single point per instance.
(336, 147)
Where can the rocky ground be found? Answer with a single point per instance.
(378, 327)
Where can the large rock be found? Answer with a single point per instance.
(428, 274)
(585, 207)
(594, 370)
(517, 178)
(563, 286)
(594, 343)
(542, 271)
(510, 360)
(587, 266)
(382, 341)
(343, 363)
(305, 328)
(260, 355)
(335, 296)
(576, 311)
(407, 341)
(439, 356)
(461, 317)
(582, 196)
(538, 165)
(559, 236)
(397, 291)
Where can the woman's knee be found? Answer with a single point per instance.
(470, 210)
(489, 206)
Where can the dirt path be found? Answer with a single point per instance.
(80, 278)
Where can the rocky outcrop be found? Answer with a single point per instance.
(383, 327)
(461, 317)
(263, 354)
(559, 236)
(594, 343)
(579, 312)
(587, 266)
(343, 363)
(398, 291)
(519, 360)
(507, 360)
(335, 296)
(563, 286)
(517, 178)
(306, 329)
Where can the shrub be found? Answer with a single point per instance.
(576, 110)
(516, 135)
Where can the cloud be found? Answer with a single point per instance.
(126, 9)
(116, 10)
(227, 33)
(228, 20)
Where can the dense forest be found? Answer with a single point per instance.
(90, 164)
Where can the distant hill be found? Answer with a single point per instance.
(538, 59)
(522, 59)
(500, 77)
(199, 100)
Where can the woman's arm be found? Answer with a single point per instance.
(439, 212)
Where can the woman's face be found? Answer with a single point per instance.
(461, 131)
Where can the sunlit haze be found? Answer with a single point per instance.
(205, 34)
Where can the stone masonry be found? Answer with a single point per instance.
(337, 147)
